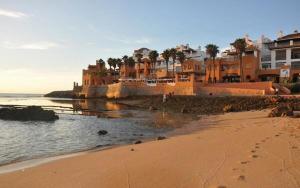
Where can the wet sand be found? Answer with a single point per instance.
(244, 149)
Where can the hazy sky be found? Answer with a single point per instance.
(44, 45)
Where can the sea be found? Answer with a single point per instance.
(77, 127)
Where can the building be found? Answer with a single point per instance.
(284, 64)
(143, 51)
(96, 75)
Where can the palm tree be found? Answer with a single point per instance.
(166, 55)
(131, 62)
(101, 62)
(125, 59)
(139, 61)
(181, 58)
(119, 64)
(173, 52)
(153, 55)
(240, 46)
(212, 50)
(110, 62)
(114, 65)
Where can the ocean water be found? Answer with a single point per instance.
(77, 127)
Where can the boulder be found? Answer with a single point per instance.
(138, 142)
(102, 132)
(30, 113)
(282, 110)
(161, 138)
(228, 108)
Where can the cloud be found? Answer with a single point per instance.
(12, 14)
(44, 45)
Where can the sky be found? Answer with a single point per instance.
(44, 45)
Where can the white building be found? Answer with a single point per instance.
(144, 51)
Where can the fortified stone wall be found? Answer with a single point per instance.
(266, 86)
(125, 89)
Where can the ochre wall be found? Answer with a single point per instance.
(125, 89)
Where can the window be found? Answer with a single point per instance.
(296, 65)
(280, 64)
(296, 53)
(266, 65)
(281, 55)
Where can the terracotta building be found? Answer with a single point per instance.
(191, 70)
(96, 75)
(227, 68)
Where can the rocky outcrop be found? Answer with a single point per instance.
(61, 94)
(30, 113)
(282, 110)
(102, 132)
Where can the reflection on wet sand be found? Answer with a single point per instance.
(110, 109)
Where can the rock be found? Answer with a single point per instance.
(151, 108)
(61, 94)
(102, 132)
(183, 109)
(30, 113)
(282, 110)
(228, 108)
(138, 142)
(161, 138)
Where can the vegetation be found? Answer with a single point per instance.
(153, 55)
(166, 55)
(181, 58)
(240, 46)
(139, 61)
(173, 52)
(212, 50)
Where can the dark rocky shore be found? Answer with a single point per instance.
(211, 105)
(61, 94)
(30, 113)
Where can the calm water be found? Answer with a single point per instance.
(77, 128)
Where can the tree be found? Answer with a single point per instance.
(181, 58)
(110, 63)
(114, 65)
(125, 59)
(240, 46)
(153, 55)
(173, 52)
(102, 63)
(119, 64)
(166, 55)
(212, 50)
(139, 61)
(131, 62)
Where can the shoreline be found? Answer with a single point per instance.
(244, 149)
(187, 128)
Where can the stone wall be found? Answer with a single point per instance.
(125, 89)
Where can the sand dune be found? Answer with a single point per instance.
(244, 149)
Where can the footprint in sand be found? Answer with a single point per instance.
(294, 147)
(253, 151)
(244, 162)
(241, 178)
(257, 147)
(221, 186)
(254, 156)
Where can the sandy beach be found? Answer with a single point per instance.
(244, 149)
